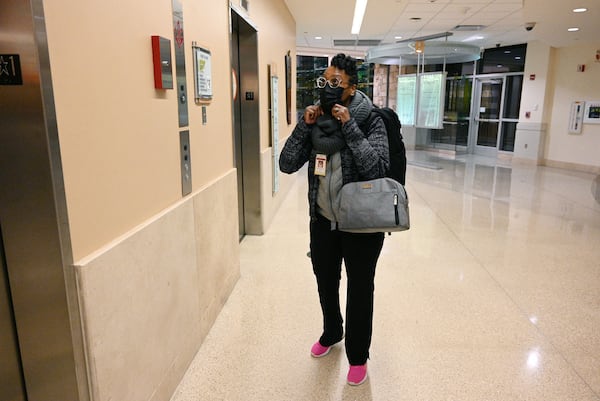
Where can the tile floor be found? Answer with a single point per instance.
(493, 295)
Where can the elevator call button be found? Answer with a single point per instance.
(10, 70)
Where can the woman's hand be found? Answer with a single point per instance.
(340, 113)
(311, 113)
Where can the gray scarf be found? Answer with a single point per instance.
(327, 136)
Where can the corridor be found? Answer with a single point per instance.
(492, 295)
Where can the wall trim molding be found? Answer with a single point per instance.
(584, 168)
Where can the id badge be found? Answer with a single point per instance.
(320, 164)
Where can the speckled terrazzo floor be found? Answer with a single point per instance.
(493, 295)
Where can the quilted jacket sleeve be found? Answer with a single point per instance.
(297, 149)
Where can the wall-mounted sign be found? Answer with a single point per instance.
(10, 70)
(421, 99)
(275, 124)
(576, 117)
(591, 114)
(202, 73)
(407, 92)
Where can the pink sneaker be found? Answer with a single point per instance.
(357, 374)
(318, 350)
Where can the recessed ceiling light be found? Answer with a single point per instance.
(318, 37)
(579, 10)
(518, 58)
(506, 51)
(573, 29)
(397, 37)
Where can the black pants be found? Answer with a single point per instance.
(360, 253)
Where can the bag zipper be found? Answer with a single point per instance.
(396, 209)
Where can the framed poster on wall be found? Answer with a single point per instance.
(592, 112)
(274, 89)
(202, 73)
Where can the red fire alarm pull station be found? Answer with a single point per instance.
(161, 56)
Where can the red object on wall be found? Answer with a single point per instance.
(532, 77)
(161, 58)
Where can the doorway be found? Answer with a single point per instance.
(246, 130)
(496, 114)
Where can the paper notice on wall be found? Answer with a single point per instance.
(576, 117)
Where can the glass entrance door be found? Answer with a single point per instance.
(487, 115)
(496, 114)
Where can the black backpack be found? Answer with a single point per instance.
(397, 150)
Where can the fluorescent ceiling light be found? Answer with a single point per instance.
(573, 29)
(473, 38)
(359, 12)
(579, 10)
(318, 37)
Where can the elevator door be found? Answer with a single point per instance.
(11, 377)
(244, 60)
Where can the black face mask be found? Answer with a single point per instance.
(329, 97)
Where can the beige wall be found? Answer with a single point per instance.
(119, 136)
(569, 85)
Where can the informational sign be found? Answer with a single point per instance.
(407, 90)
(10, 70)
(421, 99)
(592, 112)
(430, 113)
(202, 73)
(275, 128)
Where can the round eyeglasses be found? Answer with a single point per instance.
(333, 82)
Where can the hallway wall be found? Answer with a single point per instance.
(573, 150)
(119, 136)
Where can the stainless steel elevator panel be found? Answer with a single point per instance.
(12, 387)
(33, 214)
(180, 78)
(186, 162)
